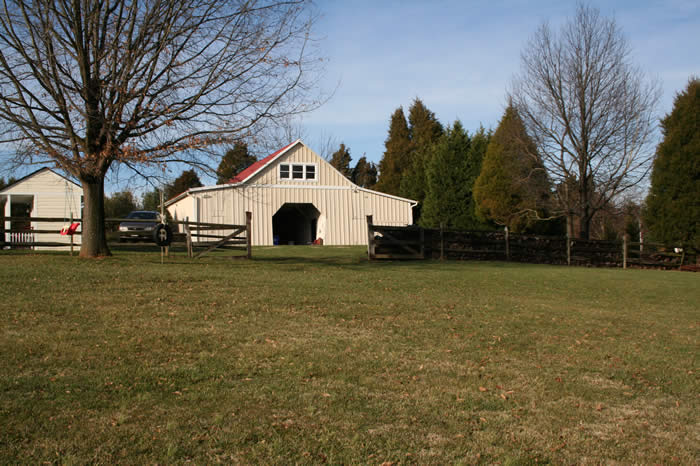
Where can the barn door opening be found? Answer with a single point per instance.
(295, 224)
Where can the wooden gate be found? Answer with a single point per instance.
(394, 242)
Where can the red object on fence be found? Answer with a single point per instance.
(71, 229)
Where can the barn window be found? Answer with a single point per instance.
(310, 172)
(297, 171)
(284, 171)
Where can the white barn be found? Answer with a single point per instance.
(43, 193)
(296, 197)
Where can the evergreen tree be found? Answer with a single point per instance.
(396, 155)
(119, 204)
(151, 200)
(448, 192)
(188, 179)
(424, 131)
(234, 161)
(365, 173)
(341, 161)
(9, 181)
(672, 211)
(512, 185)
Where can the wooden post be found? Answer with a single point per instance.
(507, 244)
(568, 249)
(71, 236)
(625, 238)
(188, 237)
(370, 239)
(248, 237)
(442, 241)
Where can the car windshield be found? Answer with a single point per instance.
(143, 215)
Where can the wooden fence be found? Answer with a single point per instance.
(412, 242)
(211, 236)
(198, 238)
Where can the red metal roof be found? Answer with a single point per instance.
(252, 169)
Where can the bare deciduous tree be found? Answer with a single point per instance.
(589, 111)
(87, 84)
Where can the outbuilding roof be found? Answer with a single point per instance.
(260, 164)
(41, 170)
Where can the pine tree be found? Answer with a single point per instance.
(188, 179)
(341, 161)
(365, 173)
(234, 160)
(448, 193)
(396, 155)
(512, 185)
(424, 130)
(672, 211)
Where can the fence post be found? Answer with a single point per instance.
(188, 237)
(370, 239)
(507, 244)
(625, 247)
(442, 241)
(71, 236)
(248, 231)
(568, 249)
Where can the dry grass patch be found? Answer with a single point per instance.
(311, 355)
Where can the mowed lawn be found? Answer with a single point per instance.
(314, 355)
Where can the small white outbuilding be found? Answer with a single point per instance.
(296, 197)
(43, 193)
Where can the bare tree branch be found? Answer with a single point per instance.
(589, 110)
(89, 83)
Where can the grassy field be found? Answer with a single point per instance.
(313, 355)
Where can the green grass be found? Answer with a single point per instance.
(311, 355)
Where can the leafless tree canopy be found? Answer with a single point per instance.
(589, 110)
(91, 82)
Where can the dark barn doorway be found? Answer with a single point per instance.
(295, 224)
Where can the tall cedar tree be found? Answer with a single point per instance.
(341, 161)
(234, 160)
(512, 186)
(365, 173)
(424, 130)
(475, 160)
(672, 212)
(396, 155)
(449, 192)
(188, 179)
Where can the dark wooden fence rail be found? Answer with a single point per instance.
(194, 235)
(412, 242)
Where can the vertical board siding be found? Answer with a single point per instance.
(345, 210)
(344, 205)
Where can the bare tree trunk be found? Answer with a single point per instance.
(94, 239)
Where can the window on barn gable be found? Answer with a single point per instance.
(284, 171)
(310, 172)
(297, 171)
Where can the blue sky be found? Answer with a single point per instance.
(459, 57)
